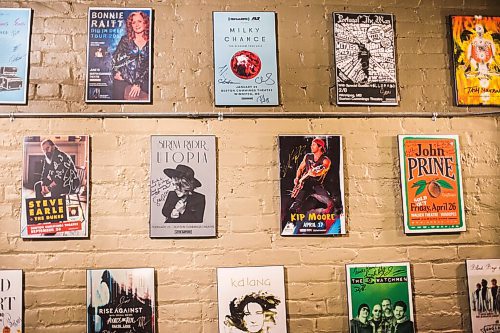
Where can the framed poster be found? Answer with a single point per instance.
(121, 300)
(55, 192)
(15, 29)
(11, 296)
(311, 185)
(119, 55)
(380, 297)
(365, 59)
(482, 280)
(245, 60)
(431, 183)
(183, 186)
(476, 60)
(251, 299)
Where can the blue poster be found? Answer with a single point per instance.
(119, 55)
(15, 25)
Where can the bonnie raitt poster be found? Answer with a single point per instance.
(119, 55)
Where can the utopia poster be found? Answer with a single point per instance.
(11, 301)
(431, 183)
(311, 185)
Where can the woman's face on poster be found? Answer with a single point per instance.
(253, 317)
(138, 24)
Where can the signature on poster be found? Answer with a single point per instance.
(223, 78)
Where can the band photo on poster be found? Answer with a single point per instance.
(311, 185)
(365, 59)
(431, 183)
(121, 300)
(484, 297)
(15, 29)
(476, 60)
(55, 192)
(183, 186)
(380, 298)
(119, 55)
(251, 299)
(11, 301)
(245, 59)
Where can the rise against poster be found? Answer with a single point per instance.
(380, 297)
(476, 59)
(15, 26)
(311, 185)
(11, 301)
(55, 192)
(183, 186)
(121, 300)
(365, 59)
(251, 299)
(245, 59)
(482, 280)
(431, 183)
(119, 55)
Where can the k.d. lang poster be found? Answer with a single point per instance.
(245, 58)
(11, 301)
(183, 186)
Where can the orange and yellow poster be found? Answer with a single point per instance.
(476, 59)
(431, 183)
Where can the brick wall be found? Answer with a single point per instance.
(248, 184)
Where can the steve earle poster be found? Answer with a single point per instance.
(121, 300)
(484, 297)
(431, 183)
(246, 70)
(251, 299)
(476, 59)
(183, 193)
(365, 59)
(380, 298)
(311, 185)
(119, 55)
(11, 301)
(15, 26)
(55, 186)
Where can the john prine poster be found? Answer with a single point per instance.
(245, 59)
(431, 183)
(119, 55)
(380, 298)
(484, 296)
(476, 60)
(311, 185)
(251, 299)
(11, 301)
(183, 186)
(15, 27)
(365, 59)
(121, 300)
(55, 191)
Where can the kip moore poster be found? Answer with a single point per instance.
(476, 60)
(183, 186)
(311, 185)
(431, 183)
(245, 59)
(121, 300)
(119, 55)
(482, 279)
(365, 59)
(251, 299)
(380, 298)
(15, 27)
(11, 297)
(55, 191)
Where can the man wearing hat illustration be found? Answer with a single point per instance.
(183, 204)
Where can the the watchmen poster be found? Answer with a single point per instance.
(380, 298)
(55, 191)
(245, 58)
(183, 186)
(431, 183)
(11, 301)
(311, 185)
